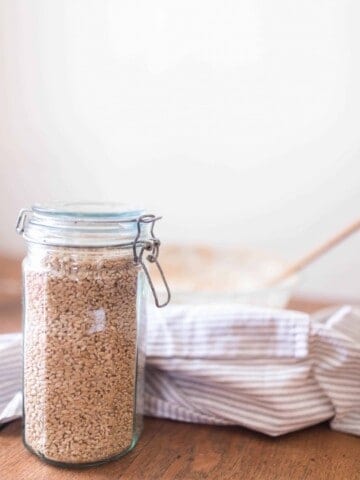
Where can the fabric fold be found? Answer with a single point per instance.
(336, 352)
(274, 371)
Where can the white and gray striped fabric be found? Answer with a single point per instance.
(269, 370)
(10, 376)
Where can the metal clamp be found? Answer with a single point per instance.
(152, 245)
(21, 220)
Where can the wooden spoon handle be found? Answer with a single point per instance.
(316, 253)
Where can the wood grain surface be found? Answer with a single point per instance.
(178, 451)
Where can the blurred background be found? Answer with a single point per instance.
(238, 121)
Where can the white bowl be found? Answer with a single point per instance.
(204, 274)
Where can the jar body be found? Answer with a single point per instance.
(84, 328)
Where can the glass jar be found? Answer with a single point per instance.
(84, 326)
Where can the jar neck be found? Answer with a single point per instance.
(84, 236)
(70, 233)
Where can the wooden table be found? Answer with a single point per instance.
(178, 451)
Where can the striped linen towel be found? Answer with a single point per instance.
(10, 376)
(273, 371)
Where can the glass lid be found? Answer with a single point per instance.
(88, 211)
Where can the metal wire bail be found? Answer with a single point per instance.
(152, 245)
(21, 220)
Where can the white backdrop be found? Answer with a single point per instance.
(237, 120)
